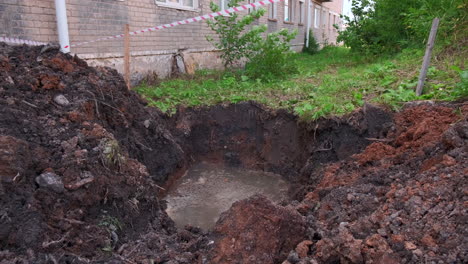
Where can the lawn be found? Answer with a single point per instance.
(333, 82)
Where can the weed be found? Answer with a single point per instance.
(110, 153)
(110, 222)
(112, 225)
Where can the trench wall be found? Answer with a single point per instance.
(249, 135)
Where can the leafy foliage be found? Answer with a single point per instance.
(266, 58)
(461, 88)
(272, 58)
(234, 39)
(452, 14)
(389, 26)
(313, 46)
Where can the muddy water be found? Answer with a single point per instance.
(207, 190)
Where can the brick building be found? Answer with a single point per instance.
(152, 53)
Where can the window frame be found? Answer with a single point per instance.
(273, 12)
(317, 15)
(324, 19)
(195, 6)
(222, 3)
(290, 13)
(301, 12)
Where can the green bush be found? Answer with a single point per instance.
(273, 57)
(461, 89)
(313, 46)
(389, 26)
(234, 39)
(266, 58)
(452, 14)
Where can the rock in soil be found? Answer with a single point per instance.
(51, 181)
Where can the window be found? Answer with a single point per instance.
(179, 4)
(330, 23)
(223, 4)
(272, 11)
(317, 18)
(288, 11)
(251, 9)
(324, 19)
(301, 11)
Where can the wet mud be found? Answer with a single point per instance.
(207, 190)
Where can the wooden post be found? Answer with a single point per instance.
(127, 55)
(427, 56)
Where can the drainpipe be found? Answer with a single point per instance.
(62, 25)
(308, 24)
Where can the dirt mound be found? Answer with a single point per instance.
(72, 139)
(255, 230)
(402, 200)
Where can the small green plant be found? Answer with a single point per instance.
(112, 225)
(313, 46)
(110, 153)
(395, 97)
(110, 222)
(461, 88)
(235, 40)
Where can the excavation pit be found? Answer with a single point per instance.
(207, 189)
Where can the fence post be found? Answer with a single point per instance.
(127, 55)
(427, 56)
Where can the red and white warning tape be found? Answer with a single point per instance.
(173, 24)
(186, 21)
(21, 41)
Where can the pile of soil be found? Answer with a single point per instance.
(84, 163)
(81, 159)
(402, 200)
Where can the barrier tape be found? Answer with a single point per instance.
(185, 21)
(21, 41)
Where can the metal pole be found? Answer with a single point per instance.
(62, 25)
(308, 24)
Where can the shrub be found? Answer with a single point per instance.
(234, 39)
(389, 26)
(313, 46)
(452, 14)
(266, 58)
(272, 57)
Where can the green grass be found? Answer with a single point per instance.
(332, 82)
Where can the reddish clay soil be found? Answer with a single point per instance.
(82, 162)
(402, 200)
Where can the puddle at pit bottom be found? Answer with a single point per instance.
(207, 190)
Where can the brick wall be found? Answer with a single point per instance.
(91, 19)
(28, 19)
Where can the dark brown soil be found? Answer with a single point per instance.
(95, 144)
(82, 162)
